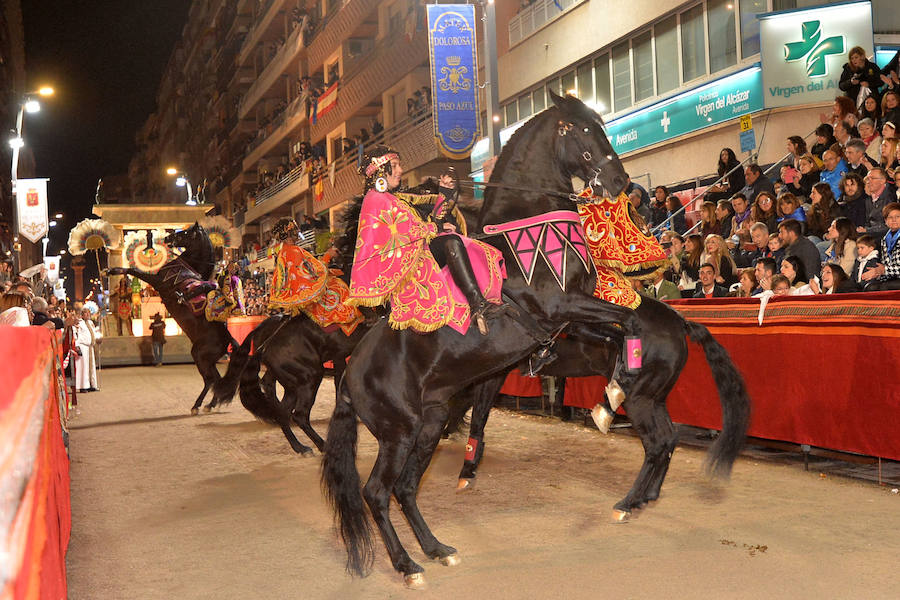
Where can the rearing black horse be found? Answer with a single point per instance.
(398, 382)
(183, 283)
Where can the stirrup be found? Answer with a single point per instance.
(540, 359)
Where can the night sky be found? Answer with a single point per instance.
(105, 59)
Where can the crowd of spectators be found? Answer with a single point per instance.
(829, 222)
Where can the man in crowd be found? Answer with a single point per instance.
(857, 161)
(756, 182)
(834, 171)
(797, 245)
(764, 271)
(662, 289)
(757, 249)
(41, 317)
(879, 193)
(708, 287)
(842, 131)
(886, 276)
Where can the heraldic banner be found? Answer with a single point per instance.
(31, 208)
(454, 66)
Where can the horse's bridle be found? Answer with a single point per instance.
(563, 129)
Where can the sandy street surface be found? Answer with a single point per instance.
(170, 506)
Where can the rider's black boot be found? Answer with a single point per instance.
(461, 270)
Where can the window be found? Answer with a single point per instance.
(621, 70)
(602, 98)
(722, 37)
(642, 54)
(538, 100)
(585, 79)
(395, 23)
(553, 86)
(693, 43)
(525, 106)
(568, 82)
(666, 55)
(511, 113)
(750, 26)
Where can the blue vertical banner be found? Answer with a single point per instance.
(454, 67)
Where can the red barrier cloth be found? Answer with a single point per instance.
(820, 370)
(240, 327)
(35, 520)
(517, 384)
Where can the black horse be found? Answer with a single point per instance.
(398, 382)
(293, 351)
(183, 283)
(665, 354)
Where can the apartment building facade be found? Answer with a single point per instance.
(634, 60)
(254, 85)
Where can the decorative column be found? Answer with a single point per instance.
(78, 268)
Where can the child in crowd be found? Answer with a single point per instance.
(867, 258)
(776, 248)
(781, 285)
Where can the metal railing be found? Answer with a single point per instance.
(279, 120)
(290, 177)
(273, 65)
(699, 196)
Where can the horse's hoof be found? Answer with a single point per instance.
(195, 411)
(451, 560)
(464, 484)
(207, 408)
(415, 581)
(307, 453)
(620, 516)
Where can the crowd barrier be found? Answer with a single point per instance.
(35, 512)
(820, 370)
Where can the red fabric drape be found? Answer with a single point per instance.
(517, 384)
(39, 534)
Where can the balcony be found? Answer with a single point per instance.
(413, 138)
(264, 27)
(337, 28)
(273, 71)
(282, 125)
(392, 59)
(276, 196)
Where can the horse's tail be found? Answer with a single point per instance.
(732, 395)
(341, 486)
(254, 397)
(224, 389)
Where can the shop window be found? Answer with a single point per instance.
(568, 83)
(693, 43)
(525, 106)
(666, 33)
(584, 76)
(512, 114)
(750, 26)
(538, 100)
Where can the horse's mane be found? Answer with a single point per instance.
(509, 154)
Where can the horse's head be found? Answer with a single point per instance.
(187, 238)
(583, 150)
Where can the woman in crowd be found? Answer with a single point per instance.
(800, 181)
(869, 135)
(823, 211)
(824, 140)
(747, 283)
(890, 108)
(834, 281)
(690, 270)
(674, 222)
(890, 149)
(852, 202)
(841, 236)
(716, 253)
(792, 268)
(796, 145)
(15, 309)
(733, 183)
(789, 208)
(658, 205)
(709, 222)
(841, 107)
(886, 275)
(763, 211)
(871, 110)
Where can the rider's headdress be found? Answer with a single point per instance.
(376, 166)
(285, 228)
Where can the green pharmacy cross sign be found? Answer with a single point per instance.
(812, 49)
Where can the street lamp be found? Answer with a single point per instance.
(183, 181)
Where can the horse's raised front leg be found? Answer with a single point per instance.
(484, 395)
